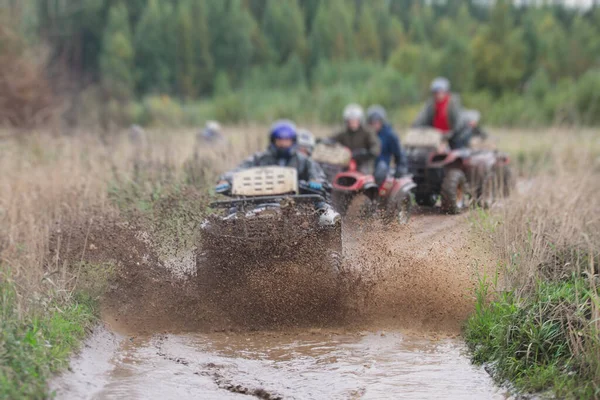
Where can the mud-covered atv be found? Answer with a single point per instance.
(456, 177)
(359, 193)
(333, 158)
(271, 215)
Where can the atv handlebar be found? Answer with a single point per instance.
(298, 198)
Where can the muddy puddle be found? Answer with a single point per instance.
(292, 365)
(401, 340)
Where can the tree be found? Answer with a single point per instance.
(153, 53)
(499, 52)
(117, 56)
(331, 36)
(193, 62)
(389, 27)
(283, 27)
(186, 74)
(231, 27)
(367, 42)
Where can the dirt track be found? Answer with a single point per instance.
(390, 336)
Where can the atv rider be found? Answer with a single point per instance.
(444, 112)
(390, 145)
(306, 142)
(211, 133)
(282, 151)
(357, 138)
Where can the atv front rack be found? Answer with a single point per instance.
(298, 198)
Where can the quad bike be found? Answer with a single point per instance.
(359, 192)
(456, 177)
(271, 215)
(333, 158)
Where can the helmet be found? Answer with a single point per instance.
(440, 84)
(376, 113)
(353, 111)
(283, 129)
(306, 140)
(213, 126)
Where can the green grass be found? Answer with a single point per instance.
(541, 341)
(35, 346)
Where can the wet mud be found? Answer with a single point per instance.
(382, 324)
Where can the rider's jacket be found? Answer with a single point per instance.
(362, 139)
(308, 170)
(391, 147)
(453, 109)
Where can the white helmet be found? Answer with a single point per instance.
(213, 126)
(306, 140)
(440, 84)
(353, 111)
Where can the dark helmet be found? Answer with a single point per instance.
(283, 129)
(376, 113)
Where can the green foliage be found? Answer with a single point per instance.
(331, 36)
(34, 347)
(153, 48)
(499, 52)
(283, 26)
(231, 26)
(367, 41)
(539, 341)
(197, 49)
(117, 57)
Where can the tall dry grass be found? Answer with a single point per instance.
(49, 181)
(542, 328)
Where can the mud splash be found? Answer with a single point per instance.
(288, 331)
(418, 277)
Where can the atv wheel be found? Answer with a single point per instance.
(505, 180)
(426, 199)
(361, 207)
(488, 192)
(454, 192)
(399, 208)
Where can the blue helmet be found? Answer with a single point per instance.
(283, 129)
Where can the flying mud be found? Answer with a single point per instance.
(411, 277)
(286, 329)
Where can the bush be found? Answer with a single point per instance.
(328, 74)
(530, 340)
(161, 111)
(230, 108)
(33, 348)
(391, 90)
(588, 97)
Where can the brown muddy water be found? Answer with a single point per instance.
(309, 364)
(401, 340)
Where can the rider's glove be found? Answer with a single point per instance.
(222, 187)
(315, 185)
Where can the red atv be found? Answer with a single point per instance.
(333, 158)
(457, 177)
(353, 190)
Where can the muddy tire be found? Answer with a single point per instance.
(487, 193)
(361, 207)
(506, 180)
(454, 192)
(426, 199)
(399, 209)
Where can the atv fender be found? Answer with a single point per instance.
(441, 160)
(371, 189)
